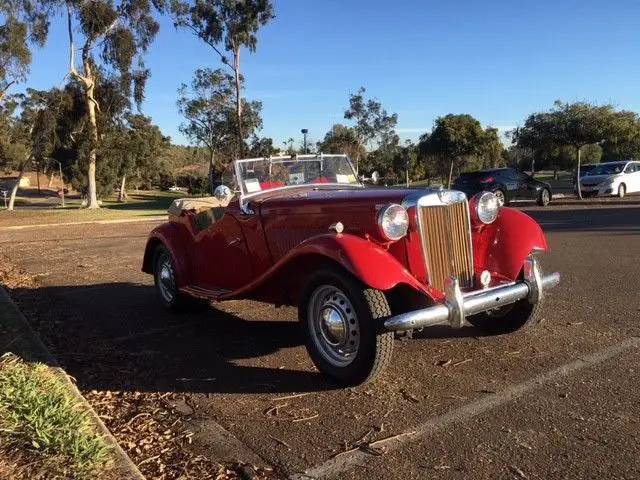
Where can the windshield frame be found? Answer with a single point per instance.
(245, 197)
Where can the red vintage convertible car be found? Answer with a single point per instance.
(358, 263)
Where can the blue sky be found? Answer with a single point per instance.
(496, 60)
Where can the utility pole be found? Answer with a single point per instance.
(304, 132)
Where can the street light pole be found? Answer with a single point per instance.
(304, 132)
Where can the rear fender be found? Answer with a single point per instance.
(171, 236)
(502, 246)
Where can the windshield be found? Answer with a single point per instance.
(586, 169)
(607, 169)
(472, 177)
(260, 174)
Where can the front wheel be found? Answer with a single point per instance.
(622, 190)
(509, 318)
(340, 318)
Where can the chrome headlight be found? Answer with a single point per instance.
(393, 222)
(487, 207)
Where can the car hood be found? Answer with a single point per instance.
(596, 179)
(313, 201)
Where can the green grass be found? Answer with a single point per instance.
(44, 427)
(151, 200)
(143, 204)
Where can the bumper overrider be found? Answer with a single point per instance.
(459, 305)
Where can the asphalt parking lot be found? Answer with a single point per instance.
(558, 401)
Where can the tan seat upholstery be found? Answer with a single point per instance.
(196, 205)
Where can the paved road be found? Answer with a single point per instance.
(559, 401)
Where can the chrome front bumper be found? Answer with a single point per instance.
(457, 305)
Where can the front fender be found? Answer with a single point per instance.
(367, 261)
(502, 246)
(171, 235)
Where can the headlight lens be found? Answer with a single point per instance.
(393, 222)
(487, 207)
(608, 181)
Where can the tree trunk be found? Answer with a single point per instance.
(16, 185)
(212, 172)
(38, 179)
(236, 70)
(51, 178)
(92, 194)
(122, 194)
(578, 187)
(450, 173)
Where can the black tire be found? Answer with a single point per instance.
(374, 349)
(544, 197)
(622, 190)
(502, 198)
(520, 315)
(177, 302)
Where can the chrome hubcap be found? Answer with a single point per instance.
(166, 280)
(545, 197)
(500, 196)
(333, 325)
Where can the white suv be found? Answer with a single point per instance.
(612, 178)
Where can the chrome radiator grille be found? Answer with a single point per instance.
(445, 232)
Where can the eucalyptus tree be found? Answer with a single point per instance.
(31, 135)
(372, 123)
(342, 139)
(227, 26)
(570, 124)
(456, 137)
(114, 35)
(26, 25)
(208, 106)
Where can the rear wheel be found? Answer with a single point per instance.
(509, 318)
(622, 190)
(544, 197)
(341, 319)
(166, 284)
(501, 198)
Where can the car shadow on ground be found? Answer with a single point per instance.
(116, 337)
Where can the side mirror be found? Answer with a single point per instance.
(222, 192)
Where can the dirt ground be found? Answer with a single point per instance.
(558, 401)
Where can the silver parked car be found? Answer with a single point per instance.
(612, 178)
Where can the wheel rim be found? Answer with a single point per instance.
(166, 279)
(333, 325)
(621, 191)
(500, 195)
(545, 197)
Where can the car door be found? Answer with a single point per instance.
(221, 259)
(509, 178)
(632, 177)
(527, 187)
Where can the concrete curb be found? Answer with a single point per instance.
(154, 218)
(25, 335)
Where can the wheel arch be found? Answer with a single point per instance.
(167, 235)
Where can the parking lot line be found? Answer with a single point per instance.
(345, 461)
